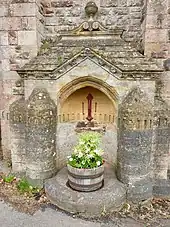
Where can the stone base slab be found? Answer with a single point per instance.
(90, 204)
(161, 188)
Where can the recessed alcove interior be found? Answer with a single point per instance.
(75, 108)
(86, 108)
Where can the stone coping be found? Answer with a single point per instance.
(89, 204)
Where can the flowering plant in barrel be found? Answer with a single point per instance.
(85, 165)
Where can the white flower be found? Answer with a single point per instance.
(68, 156)
(98, 152)
(80, 154)
(81, 142)
(75, 150)
(90, 155)
(98, 163)
(87, 150)
(83, 162)
(70, 159)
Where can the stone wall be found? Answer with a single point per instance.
(157, 29)
(21, 30)
(157, 37)
(67, 14)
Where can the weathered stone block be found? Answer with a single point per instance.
(28, 23)
(134, 3)
(108, 3)
(141, 192)
(167, 64)
(3, 38)
(27, 38)
(161, 188)
(13, 37)
(59, 3)
(3, 11)
(23, 9)
(155, 35)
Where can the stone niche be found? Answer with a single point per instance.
(76, 107)
(41, 136)
(86, 109)
(134, 163)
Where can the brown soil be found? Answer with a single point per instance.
(26, 203)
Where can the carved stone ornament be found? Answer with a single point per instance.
(91, 9)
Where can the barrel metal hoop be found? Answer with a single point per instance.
(91, 187)
(85, 176)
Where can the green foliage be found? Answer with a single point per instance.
(46, 46)
(87, 153)
(59, 60)
(8, 178)
(24, 187)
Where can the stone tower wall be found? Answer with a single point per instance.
(66, 14)
(21, 30)
(157, 37)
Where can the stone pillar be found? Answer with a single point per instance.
(162, 136)
(17, 134)
(41, 137)
(134, 164)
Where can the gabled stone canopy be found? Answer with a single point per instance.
(90, 40)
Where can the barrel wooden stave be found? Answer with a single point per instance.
(85, 180)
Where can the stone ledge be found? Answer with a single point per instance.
(109, 198)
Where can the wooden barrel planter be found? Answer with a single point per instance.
(85, 180)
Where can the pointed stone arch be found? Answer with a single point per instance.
(76, 84)
(68, 128)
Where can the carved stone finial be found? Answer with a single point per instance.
(91, 9)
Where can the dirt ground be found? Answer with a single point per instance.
(154, 213)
